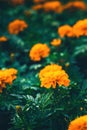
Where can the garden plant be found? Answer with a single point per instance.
(43, 65)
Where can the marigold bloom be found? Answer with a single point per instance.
(37, 7)
(52, 6)
(56, 42)
(65, 30)
(53, 75)
(38, 1)
(17, 26)
(39, 51)
(75, 4)
(79, 123)
(80, 5)
(6, 77)
(17, 2)
(3, 39)
(80, 28)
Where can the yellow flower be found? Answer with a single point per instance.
(67, 64)
(12, 55)
(17, 26)
(79, 123)
(53, 75)
(56, 42)
(3, 39)
(6, 77)
(18, 107)
(39, 51)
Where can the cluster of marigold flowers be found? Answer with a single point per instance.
(79, 123)
(6, 77)
(40, 50)
(42, 1)
(77, 30)
(52, 75)
(57, 6)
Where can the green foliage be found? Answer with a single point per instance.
(41, 108)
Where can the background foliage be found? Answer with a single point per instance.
(31, 107)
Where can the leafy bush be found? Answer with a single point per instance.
(35, 35)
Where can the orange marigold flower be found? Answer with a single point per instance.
(3, 39)
(38, 1)
(17, 26)
(80, 28)
(75, 4)
(56, 42)
(53, 75)
(52, 6)
(65, 30)
(6, 77)
(39, 51)
(37, 7)
(79, 123)
(17, 2)
(80, 5)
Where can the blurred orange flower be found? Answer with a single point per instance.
(47, 6)
(53, 75)
(3, 39)
(17, 2)
(79, 123)
(39, 51)
(52, 6)
(37, 7)
(80, 5)
(65, 30)
(38, 1)
(77, 30)
(80, 28)
(56, 42)
(17, 26)
(75, 4)
(6, 77)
